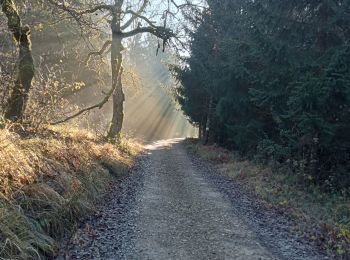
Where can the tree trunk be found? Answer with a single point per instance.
(208, 121)
(200, 131)
(117, 71)
(118, 110)
(25, 70)
(202, 124)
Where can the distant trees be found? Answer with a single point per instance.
(124, 22)
(271, 79)
(109, 21)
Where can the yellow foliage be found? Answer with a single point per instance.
(39, 27)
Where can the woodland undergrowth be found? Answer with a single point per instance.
(323, 217)
(49, 180)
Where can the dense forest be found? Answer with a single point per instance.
(271, 80)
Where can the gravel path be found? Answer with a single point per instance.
(173, 206)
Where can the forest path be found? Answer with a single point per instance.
(169, 208)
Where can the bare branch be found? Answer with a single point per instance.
(76, 14)
(98, 105)
(83, 111)
(135, 15)
(100, 52)
(158, 31)
(187, 4)
(101, 7)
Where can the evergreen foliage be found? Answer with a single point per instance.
(271, 80)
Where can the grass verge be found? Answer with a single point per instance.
(321, 217)
(49, 181)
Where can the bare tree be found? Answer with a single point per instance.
(123, 23)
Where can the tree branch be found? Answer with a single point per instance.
(101, 7)
(98, 105)
(187, 4)
(13, 20)
(135, 15)
(100, 52)
(83, 111)
(158, 31)
(76, 14)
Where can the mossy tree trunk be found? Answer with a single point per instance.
(117, 71)
(25, 64)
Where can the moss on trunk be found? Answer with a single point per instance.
(25, 64)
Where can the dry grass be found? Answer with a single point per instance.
(323, 217)
(49, 181)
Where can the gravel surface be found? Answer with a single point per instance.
(174, 206)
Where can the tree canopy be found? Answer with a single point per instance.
(271, 80)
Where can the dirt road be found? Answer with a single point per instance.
(172, 206)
